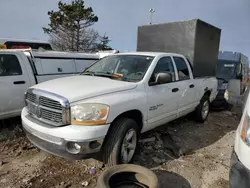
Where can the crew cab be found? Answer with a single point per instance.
(23, 68)
(104, 110)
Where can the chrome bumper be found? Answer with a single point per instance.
(70, 149)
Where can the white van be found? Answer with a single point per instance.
(239, 176)
(20, 69)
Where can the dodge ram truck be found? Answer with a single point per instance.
(104, 110)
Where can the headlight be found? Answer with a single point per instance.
(245, 132)
(89, 114)
(226, 95)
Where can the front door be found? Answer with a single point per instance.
(162, 99)
(14, 81)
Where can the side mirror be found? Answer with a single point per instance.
(233, 92)
(162, 78)
(239, 76)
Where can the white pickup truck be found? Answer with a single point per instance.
(21, 69)
(104, 110)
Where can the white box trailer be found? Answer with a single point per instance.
(22, 68)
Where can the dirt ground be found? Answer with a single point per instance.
(183, 154)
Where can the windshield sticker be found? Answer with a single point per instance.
(228, 65)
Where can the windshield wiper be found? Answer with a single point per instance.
(88, 73)
(103, 74)
(106, 74)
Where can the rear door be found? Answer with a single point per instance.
(186, 85)
(14, 81)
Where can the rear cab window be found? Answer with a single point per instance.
(182, 68)
(9, 65)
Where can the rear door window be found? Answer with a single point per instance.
(9, 65)
(182, 68)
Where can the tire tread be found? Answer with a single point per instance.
(198, 113)
(112, 142)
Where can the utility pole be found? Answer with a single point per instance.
(151, 12)
(103, 41)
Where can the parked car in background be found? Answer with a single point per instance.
(231, 65)
(106, 108)
(20, 69)
(6, 43)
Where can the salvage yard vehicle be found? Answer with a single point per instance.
(240, 163)
(231, 65)
(103, 111)
(6, 43)
(22, 68)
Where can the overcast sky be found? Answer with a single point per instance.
(119, 19)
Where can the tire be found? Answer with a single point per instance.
(127, 175)
(199, 116)
(113, 146)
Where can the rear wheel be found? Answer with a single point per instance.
(121, 142)
(202, 110)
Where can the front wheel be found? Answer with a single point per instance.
(202, 109)
(121, 142)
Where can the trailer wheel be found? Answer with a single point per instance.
(202, 109)
(121, 142)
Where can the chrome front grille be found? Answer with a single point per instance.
(31, 97)
(51, 116)
(48, 107)
(46, 102)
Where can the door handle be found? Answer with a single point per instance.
(19, 82)
(191, 86)
(175, 89)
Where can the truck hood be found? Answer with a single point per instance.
(81, 87)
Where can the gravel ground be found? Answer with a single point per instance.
(183, 154)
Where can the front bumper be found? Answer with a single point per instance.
(64, 145)
(239, 176)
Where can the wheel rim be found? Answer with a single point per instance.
(205, 109)
(128, 146)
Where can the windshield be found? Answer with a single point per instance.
(122, 67)
(226, 69)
